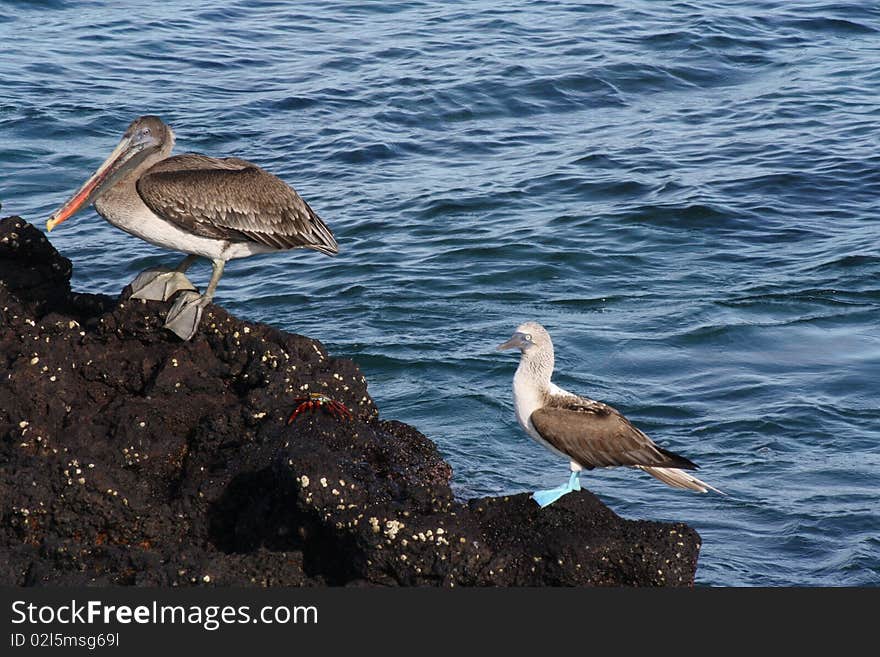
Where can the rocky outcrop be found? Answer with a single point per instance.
(130, 457)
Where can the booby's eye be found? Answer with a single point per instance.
(145, 132)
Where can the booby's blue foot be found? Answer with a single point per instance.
(547, 497)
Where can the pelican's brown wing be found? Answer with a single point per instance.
(594, 435)
(232, 199)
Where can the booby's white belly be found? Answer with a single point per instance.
(527, 398)
(138, 220)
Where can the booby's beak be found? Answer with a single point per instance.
(107, 174)
(517, 341)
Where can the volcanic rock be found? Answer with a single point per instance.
(130, 457)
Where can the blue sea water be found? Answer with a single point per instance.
(684, 193)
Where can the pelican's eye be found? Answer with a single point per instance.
(529, 337)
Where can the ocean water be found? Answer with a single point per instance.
(686, 194)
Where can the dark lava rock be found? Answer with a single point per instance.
(130, 457)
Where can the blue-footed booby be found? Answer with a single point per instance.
(204, 206)
(589, 433)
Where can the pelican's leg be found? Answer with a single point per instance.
(547, 497)
(184, 316)
(161, 283)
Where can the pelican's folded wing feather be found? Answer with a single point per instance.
(232, 199)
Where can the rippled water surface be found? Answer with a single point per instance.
(685, 194)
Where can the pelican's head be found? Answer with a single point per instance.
(145, 136)
(528, 338)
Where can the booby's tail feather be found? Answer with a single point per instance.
(679, 479)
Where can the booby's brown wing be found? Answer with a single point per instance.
(594, 435)
(232, 199)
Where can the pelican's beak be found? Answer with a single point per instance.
(517, 341)
(92, 188)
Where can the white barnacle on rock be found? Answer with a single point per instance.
(392, 527)
(304, 481)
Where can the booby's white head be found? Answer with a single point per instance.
(529, 338)
(536, 347)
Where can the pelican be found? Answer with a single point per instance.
(589, 433)
(216, 208)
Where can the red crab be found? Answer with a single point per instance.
(325, 403)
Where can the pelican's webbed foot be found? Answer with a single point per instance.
(184, 316)
(547, 497)
(159, 284)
